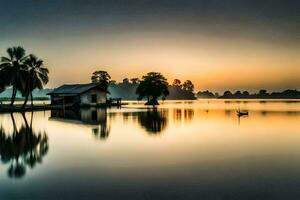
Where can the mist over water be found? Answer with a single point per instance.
(180, 150)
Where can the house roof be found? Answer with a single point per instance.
(73, 89)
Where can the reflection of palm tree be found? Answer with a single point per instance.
(153, 120)
(23, 148)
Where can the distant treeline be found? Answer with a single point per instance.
(262, 94)
(127, 90)
(37, 95)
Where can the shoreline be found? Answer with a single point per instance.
(6, 108)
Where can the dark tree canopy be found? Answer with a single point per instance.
(112, 82)
(24, 73)
(134, 80)
(2, 83)
(176, 83)
(188, 86)
(246, 93)
(126, 80)
(101, 77)
(152, 86)
(13, 68)
(205, 94)
(227, 94)
(237, 93)
(262, 92)
(37, 76)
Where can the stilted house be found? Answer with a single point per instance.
(91, 94)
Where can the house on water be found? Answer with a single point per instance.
(91, 94)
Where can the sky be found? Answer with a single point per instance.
(217, 44)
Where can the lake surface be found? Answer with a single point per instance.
(181, 150)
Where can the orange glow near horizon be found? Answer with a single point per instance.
(211, 63)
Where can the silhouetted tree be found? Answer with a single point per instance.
(112, 82)
(134, 80)
(188, 86)
(152, 86)
(262, 92)
(14, 69)
(176, 83)
(126, 81)
(2, 82)
(205, 94)
(101, 77)
(246, 93)
(237, 94)
(37, 76)
(227, 94)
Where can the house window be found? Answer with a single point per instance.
(94, 98)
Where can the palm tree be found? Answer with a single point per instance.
(14, 68)
(37, 76)
(2, 82)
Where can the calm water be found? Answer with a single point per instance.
(182, 150)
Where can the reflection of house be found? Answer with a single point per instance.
(91, 116)
(78, 95)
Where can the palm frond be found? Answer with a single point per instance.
(10, 52)
(19, 52)
(5, 59)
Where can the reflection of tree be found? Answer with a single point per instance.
(22, 148)
(153, 121)
(102, 131)
(183, 114)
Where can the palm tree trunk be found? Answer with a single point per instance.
(27, 93)
(31, 99)
(13, 96)
(26, 99)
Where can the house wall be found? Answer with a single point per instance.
(67, 100)
(56, 100)
(86, 98)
